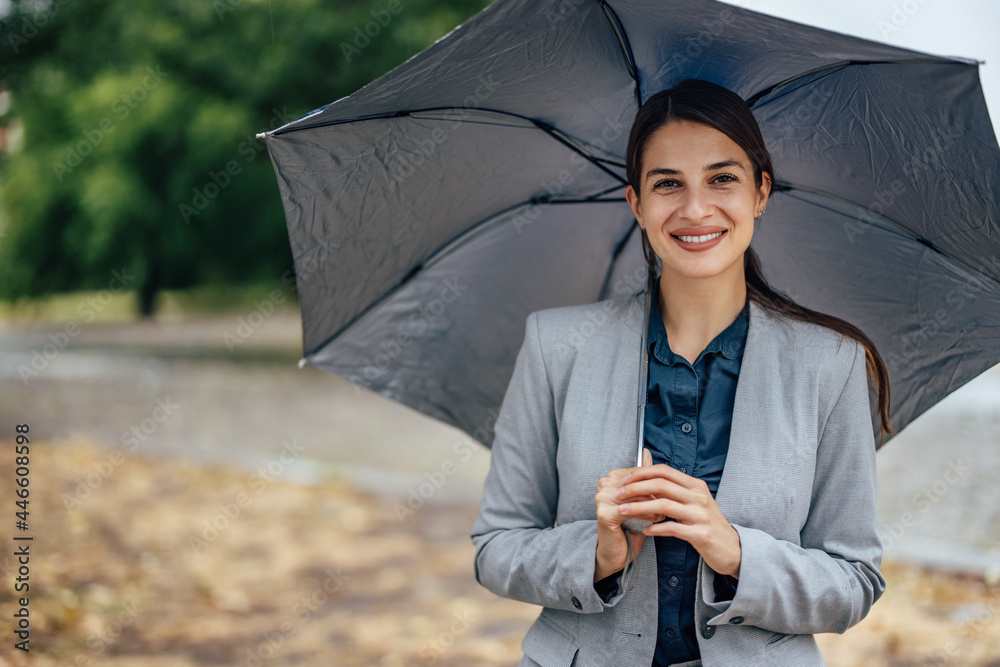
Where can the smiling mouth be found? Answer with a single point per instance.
(699, 239)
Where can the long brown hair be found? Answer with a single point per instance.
(709, 104)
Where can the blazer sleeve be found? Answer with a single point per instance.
(520, 552)
(830, 582)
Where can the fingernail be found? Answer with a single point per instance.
(626, 477)
(623, 509)
(620, 493)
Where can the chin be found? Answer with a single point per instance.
(704, 270)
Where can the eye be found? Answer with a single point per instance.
(725, 178)
(665, 183)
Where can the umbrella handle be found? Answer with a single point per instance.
(636, 525)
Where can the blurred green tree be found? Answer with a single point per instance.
(127, 149)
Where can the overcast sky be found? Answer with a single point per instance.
(968, 28)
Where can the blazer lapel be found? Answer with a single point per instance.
(756, 370)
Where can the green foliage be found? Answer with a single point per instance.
(137, 118)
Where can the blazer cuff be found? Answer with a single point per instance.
(709, 595)
(758, 578)
(609, 589)
(583, 597)
(753, 561)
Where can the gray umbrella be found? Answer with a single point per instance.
(482, 179)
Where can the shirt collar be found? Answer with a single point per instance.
(730, 342)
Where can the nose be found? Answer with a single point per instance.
(694, 205)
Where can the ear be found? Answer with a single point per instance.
(633, 202)
(764, 191)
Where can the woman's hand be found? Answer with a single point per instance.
(659, 490)
(612, 550)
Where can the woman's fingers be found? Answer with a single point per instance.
(658, 488)
(656, 491)
(657, 509)
(612, 545)
(606, 499)
(663, 471)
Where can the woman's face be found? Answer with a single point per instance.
(698, 200)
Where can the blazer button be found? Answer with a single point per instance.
(576, 603)
(736, 620)
(708, 631)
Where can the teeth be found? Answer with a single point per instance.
(699, 239)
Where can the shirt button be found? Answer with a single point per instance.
(708, 631)
(686, 427)
(670, 633)
(576, 603)
(682, 470)
(673, 581)
(736, 620)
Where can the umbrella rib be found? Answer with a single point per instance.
(556, 134)
(603, 294)
(403, 113)
(463, 238)
(541, 125)
(790, 188)
(625, 45)
(841, 64)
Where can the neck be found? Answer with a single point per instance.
(696, 310)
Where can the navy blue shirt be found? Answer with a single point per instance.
(689, 412)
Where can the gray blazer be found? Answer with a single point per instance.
(798, 486)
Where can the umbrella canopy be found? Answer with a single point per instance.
(433, 209)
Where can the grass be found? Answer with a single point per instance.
(105, 306)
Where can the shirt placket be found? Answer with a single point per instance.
(672, 556)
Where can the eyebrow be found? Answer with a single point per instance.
(663, 171)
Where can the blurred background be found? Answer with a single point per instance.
(196, 499)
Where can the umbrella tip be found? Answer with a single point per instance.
(302, 362)
(261, 135)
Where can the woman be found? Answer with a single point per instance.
(759, 471)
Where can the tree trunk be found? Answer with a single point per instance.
(148, 290)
